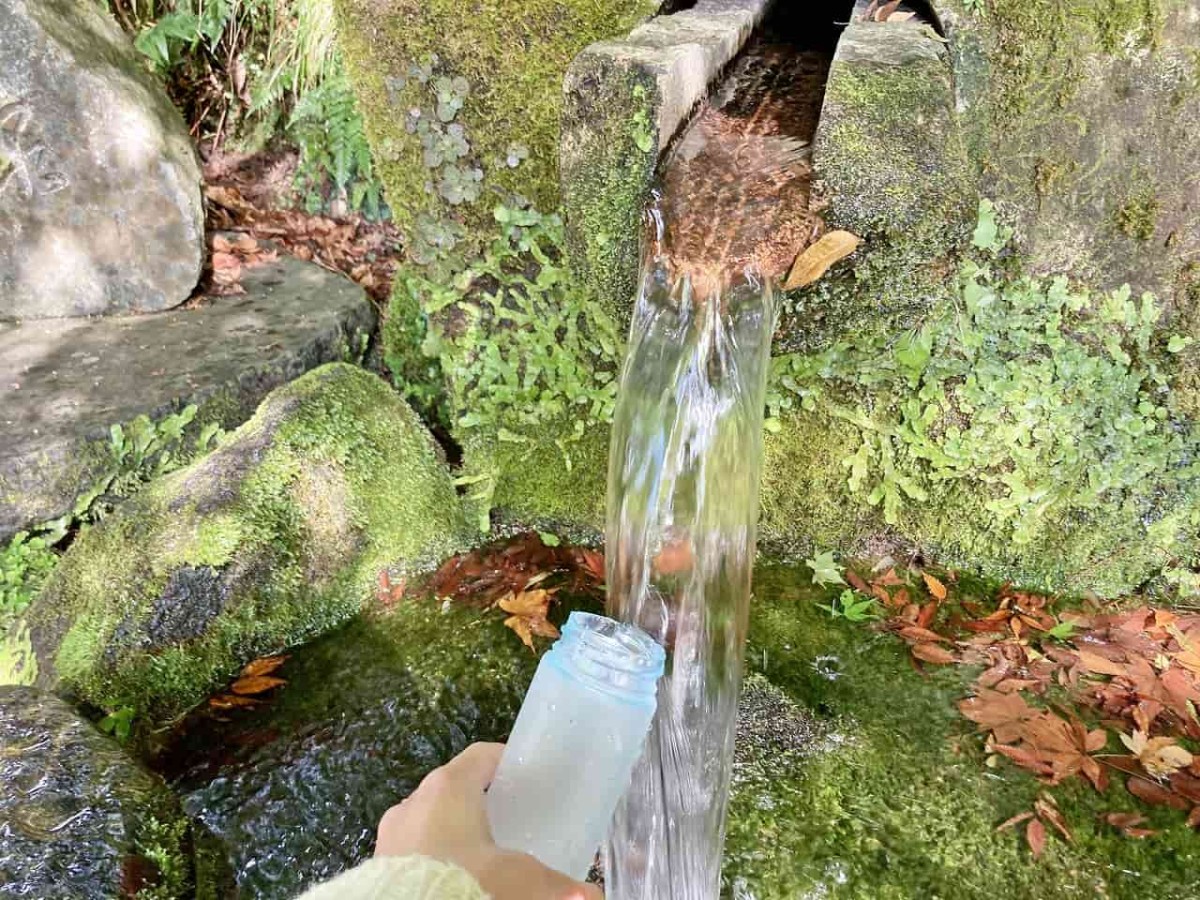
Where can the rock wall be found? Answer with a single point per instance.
(462, 101)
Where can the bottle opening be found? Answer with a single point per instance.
(614, 656)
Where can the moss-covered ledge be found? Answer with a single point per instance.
(272, 539)
(891, 165)
(488, 73)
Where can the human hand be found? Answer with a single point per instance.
(446, 818)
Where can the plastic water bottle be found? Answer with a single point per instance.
(572, 750)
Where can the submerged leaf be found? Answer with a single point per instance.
(256, 684)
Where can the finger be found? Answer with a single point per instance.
(584, 892)
(475, 767)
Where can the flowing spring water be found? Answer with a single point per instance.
(687, 439)
(683, 506)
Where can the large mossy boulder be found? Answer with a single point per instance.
(100, 207)
(79, 818)
(273, 538)
(462, 101)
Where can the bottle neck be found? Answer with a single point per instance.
(614, 657)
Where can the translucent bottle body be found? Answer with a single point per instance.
(580, 730)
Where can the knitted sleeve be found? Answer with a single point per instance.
(400, 878)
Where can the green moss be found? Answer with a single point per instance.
(18, 663)
(1138, 215)
(513, 55)
(896, 802)
(609, 153)
(534, 480)
(274, 538)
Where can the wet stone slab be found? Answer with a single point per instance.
(65, 382)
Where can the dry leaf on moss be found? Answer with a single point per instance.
(816, 260)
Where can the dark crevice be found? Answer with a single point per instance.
(812, 26)
(674, 6)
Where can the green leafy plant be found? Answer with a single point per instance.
(519, 349)
(825, 569)
(137, 453)
(26, 561)
(1049, 400)
(119, 723)
(335, 157)
(140, 452)
(852, 607)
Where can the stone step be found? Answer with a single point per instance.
(65, 382)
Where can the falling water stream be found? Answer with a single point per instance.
(732, 213)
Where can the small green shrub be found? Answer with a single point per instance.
(25, 564)
(137, 453)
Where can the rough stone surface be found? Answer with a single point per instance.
(296, 790)
(100, 206)
(1085, 119)
(78, 817)
(510, 56)
(273, 538)
(64, 383)
(891, 163)
(624, 100)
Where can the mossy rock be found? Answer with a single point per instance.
(367, 712)
(82, 819)
(512, 55)
(270, 540)
(1084, 118)
(890, 161)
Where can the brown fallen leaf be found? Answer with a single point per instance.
(856, 581)
(256, 684)
(997, 712)
(264, 666)
(917, 634)
(528, 615)
(937, 590)
(1127, 824)
(817, 259)
(1015, 820)
(231, 701)
(932, 653)
(882, 14)
(1155, 794)
(1097, 664)
(1035, 835)
(1159, 756)
(1048, 811)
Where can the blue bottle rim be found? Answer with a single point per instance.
(616, 657)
